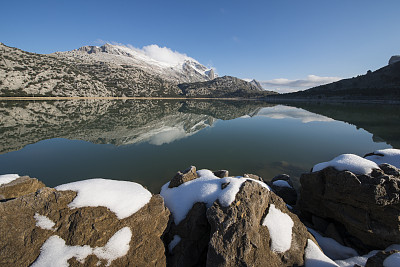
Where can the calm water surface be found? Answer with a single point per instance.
(149, 141)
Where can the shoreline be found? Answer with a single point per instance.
(269, 99)
(7, 98)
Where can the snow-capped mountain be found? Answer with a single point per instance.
(161, 61)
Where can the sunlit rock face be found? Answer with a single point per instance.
(43, 228)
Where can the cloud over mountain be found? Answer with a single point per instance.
(285, 85)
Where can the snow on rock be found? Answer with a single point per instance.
(314, 257)
(392, 261)
(350, 162)
(362, 260)
(7, 178)
(280, 229)
(332, 248)
(173, 243)
(44, 222)
(54, 252)
(207, 189)
(116, 247)
(121, 197)
(281, 183)
(390, 156)
(359, 260)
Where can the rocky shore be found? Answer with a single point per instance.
(345, 214)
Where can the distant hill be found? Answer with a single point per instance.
(382, 84)
(113, 70)
(226, 86)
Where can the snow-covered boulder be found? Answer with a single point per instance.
(231, 221)
(95, 222)
(358, 196)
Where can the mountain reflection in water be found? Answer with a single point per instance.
(149, 140)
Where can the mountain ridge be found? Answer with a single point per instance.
(78, 74)
(382, 84)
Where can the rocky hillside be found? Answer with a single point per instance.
(109, 71)
(382, 84)
(226, 86)
(161, 61)
(29, 74)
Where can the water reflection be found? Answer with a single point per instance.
(148, 141)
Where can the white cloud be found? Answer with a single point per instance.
(286, 112)
(162, 54)
(286, 86)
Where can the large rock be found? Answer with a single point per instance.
(366, 207)
(214, 233)
(239, 238)
(26, 228)
(20, 187)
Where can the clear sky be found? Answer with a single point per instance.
(265, 40)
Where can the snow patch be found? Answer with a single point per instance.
(280, 229)
(281, 183)
(207, 189)
(7, 178)
(44, 222)
(121, 197)
(350, 162)
(390, 156)
(116, 247)
(314, 257)
(173, 243)
(392, 261)
(54, 252)
(331, 248)
(362, 260)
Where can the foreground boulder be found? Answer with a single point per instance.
(60, 227)
(363, 203)
(255, 230)
(231, 221)
(19, 186)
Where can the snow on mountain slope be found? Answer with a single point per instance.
(168, 64)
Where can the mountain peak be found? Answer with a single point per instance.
(161, 61)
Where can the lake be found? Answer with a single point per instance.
(148, 141)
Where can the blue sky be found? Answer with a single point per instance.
(265, 40)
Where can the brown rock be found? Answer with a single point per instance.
(182, 177)
(221, 173)
(253, 176)
(238, 237)
(21, 186)
(367, 206)
(21, 239)
(194, 232)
